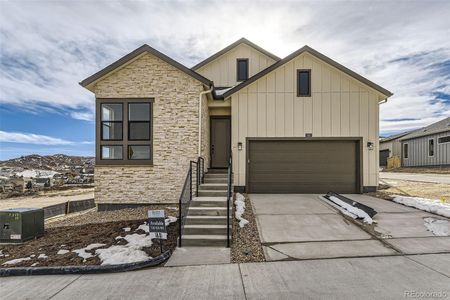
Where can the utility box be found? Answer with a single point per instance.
(21, 224)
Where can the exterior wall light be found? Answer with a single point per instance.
(370, 145)
(239, 146)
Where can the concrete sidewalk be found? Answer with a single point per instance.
(388, 277)
(434, 178)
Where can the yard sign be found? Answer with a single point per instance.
(157, 224)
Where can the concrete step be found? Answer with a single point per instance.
(212, 193)
(217, 171)
(216, 180)
(206, 220)
(204, 240)
(216, 175)
(207, 211)
(213, 186)
(205, 229)
(209, 202)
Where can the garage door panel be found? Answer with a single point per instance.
(302, 166)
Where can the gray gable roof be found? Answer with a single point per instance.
(316, 54)
(144, 48)
(228, 48)
(438, 127)
(394, 137)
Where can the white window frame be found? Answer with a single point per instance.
(439, 143)
(428, 147)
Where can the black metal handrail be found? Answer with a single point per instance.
(229, 197)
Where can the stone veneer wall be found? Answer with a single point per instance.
(175, 132)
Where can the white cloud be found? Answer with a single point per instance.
(37, 139)
(48, 47)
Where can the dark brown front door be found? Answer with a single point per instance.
(220, 141)
(303, 166)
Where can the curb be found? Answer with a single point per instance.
(93, 269)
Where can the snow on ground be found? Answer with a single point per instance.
(1, 253)
(42, 256)
(126, 229)
(16, 261)
(437, 227)
(354, 210)
(433, 206)
(240, 209)
(170, 220)
(129, 253)
(35, 264)
(62, 252)
(85, 255)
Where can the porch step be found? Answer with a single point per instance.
(212, 193)
(216, 180)
(205, 229)
(207, 211)
(214, 186)
(206, 220)
(204, 240)
(217, 171)
(216, 175)
(209, 201)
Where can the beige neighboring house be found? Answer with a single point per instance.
(301, 124)
(389, 147)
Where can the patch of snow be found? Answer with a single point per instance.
(62, 246)
(341, 209)
(354, 210)
(437, 227)
(1, 253)
(240, 209)
(32, 255)
(172, 208)
(35, 264)
(42, 256)
(129, 253)
(433, 206)
(126, 229)
(16, 261)
(93, 246)
(62, 252)
(85, 255)
(170, 220)
(119, 237)
(144, 227)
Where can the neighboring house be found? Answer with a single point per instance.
(389, 147)
(429, 146)
(302, 124)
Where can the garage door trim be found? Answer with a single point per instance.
(359, 154)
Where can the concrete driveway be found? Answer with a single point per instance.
(306, 227)
(434, 178)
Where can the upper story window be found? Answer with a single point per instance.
(405, 151)
(242, 69)
(303, 83)
(431, 147)
(124, 131)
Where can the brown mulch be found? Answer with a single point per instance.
(76, 237)
(246, 245)
(435, 170)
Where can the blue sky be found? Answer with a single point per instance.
(47, 47)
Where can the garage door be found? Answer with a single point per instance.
(303, 166)
(384, 155)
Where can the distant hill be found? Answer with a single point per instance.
(57, 162)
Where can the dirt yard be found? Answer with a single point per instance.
(246, 246)
(77, 232)
(416, 189)
(437, 170)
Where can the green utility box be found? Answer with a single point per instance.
(21, 224)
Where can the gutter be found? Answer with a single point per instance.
(200, 118)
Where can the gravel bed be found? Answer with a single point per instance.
(95, 217)
(246, 245)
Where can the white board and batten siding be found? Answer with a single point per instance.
(223, 70)
(418, 151)
(339, 106)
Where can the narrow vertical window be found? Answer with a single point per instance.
(405, 151)
(431, 147)
(242, 69)
(111, 121)
(303, 83)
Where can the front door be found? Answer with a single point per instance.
(220, 141)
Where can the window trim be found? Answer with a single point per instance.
(405, 153)
(124, 142)
(434, 147)
(102, 122)
(237, 69)
(138, 159)
(439, 143)
(309, 82)
(109, 159)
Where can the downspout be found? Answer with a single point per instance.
(200, 119)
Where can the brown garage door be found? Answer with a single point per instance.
(303, 166)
